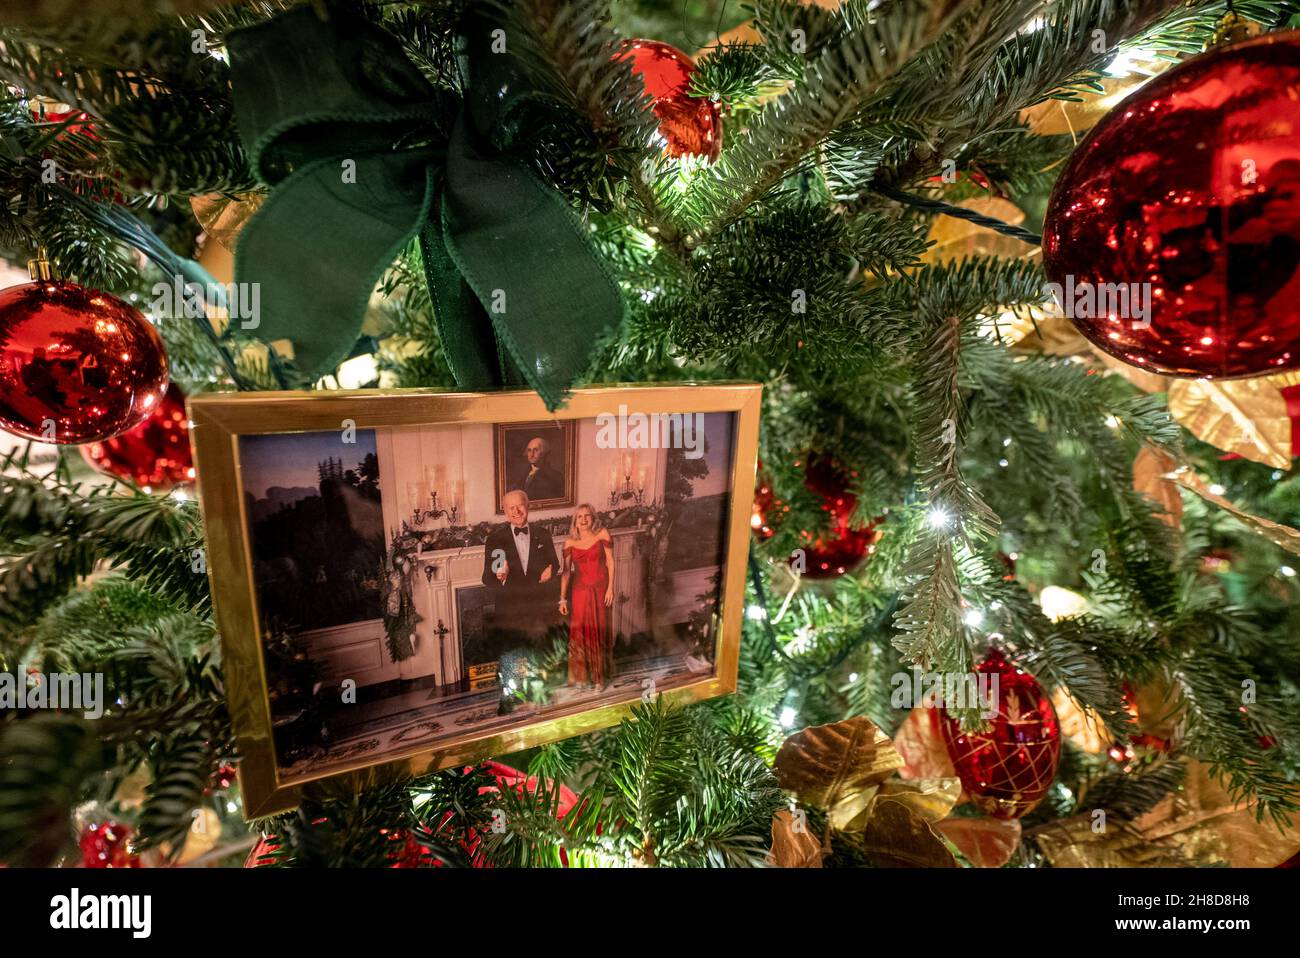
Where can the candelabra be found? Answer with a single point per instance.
(620, 494)
(451, 512)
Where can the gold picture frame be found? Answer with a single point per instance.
(218, 421)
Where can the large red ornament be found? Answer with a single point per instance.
(106, 845)
(155, 455)
(85, 361)
(1191, 185)
(1007, 769)
(689, 125)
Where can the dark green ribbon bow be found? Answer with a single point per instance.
(365, 154)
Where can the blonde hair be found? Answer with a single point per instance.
(596, 524)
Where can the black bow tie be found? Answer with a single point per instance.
(521, 530)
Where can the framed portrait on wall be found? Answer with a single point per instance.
(381, 604)
(538, 457)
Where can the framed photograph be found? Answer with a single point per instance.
(379, 603)
(538, 457)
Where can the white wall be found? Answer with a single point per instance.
(459, 461)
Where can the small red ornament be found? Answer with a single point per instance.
(1007, 769)
(106, 845)
(407, 851)
(49, 111)
(155, 455)
(768, 509)
(689, 125)
(223, 778)
(1190, 185)
(76, 365)
(840, 546)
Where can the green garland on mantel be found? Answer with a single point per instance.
(400, 617)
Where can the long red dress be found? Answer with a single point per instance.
(591, 651)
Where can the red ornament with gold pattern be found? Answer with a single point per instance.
(1007, 768)
(155, 455)
(1173, 233)
(76, 365)
(689, 125)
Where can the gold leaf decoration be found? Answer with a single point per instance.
(955, 239)
(930, 798)
(1143, 379)
(1055, 336)
(897, 837)
(1197, 825)
(1149, 471)
(222, 217)
(793, 844)
(1275, 532)
(985, 842)
(837, 767)
(1245, 416)
(924, 755)
(1052, 117)
(1081, 726)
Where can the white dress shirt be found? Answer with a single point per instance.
(522, 543)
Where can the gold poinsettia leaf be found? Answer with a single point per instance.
(986, 842)
(202, 837)
(931, 798)
(1275, 532)
(953, 239)
(924, 754)
(1081, 726)
(1036, 329)
(1052, 117)
(1085, 842)
(1245, 416)
(222, 217)
(1284, 380)
(1158, 704)
(793, 843)
(1149, 471)
(1143, 379)
(837, 767)
(897, 837)
(1197, 825)
(1055, 336)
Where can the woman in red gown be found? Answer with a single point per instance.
(589, 568)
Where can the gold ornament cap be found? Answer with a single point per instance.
(39, 268)
(1232, 28)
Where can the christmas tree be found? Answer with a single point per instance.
(848, 202)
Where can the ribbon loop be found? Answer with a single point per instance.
(353, 137)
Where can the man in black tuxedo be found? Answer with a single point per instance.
(521, 574)
(539, 479)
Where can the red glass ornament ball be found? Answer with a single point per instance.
(689, 125)
(1190, 185)
(155, 455)
(840, 546)
(106, 845)
(1007, 768)
(87, 362)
